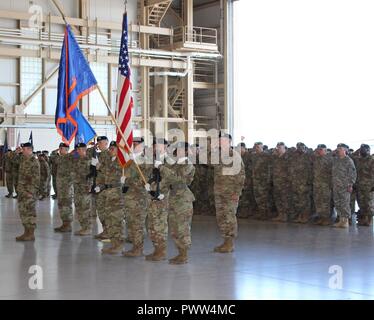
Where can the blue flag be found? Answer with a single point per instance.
(75, 80)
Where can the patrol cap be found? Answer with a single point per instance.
(258, 143)
(26, 145)
(321, 146)
(241, 145)
(81, 145)
(225, 135)
(63, 145)
(45, 151)
(138, 140)
(365, 146)
(342, 145)
(300, 145)
(101, 138)
(280, 144)
(160, 141)
(113, 144)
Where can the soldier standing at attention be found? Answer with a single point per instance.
(229, 176)
(322, 188)
(28, 185)
(111, 197)
(365, 185)
(82, 187)
(9, 174)
(15, 169)
(261, 181)
(46, 158)
(64, 188)
(136, 199)
(99, 201)
(53, 165)
(281, 183)
(44, 174)
(158, 205)
(246, 202)
(301, 175)
(343, 177)
(181, 204)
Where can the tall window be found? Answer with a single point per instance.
(31, 78)
(97, 106)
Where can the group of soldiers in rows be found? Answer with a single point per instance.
(150, 193)
(282, 184)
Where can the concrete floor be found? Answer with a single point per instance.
(271, 261)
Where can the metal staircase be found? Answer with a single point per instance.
(157, 12)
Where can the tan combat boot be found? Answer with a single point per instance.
(66, 227)
(343, 223)
(28, 235)
(304, 218)
(325, 222)
(83, 232)
(115, 248)
(181, 258)
(136, 251)
(226, 247)
(158, 254)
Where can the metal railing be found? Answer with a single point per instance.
(198, 35)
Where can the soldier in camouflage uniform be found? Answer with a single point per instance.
(44, 176)
(53, 159)
(301, 177)
(99, 201)
(28, 185)
(112, 199)
(281, 182)
(322, 188)
(8, 166)
(46, 158)
(180, 204)
(64, 188)
(82, 187)
(158, 204)
(199, 185)
(15, 169)
(136, 199)
(247, 202)
(343, 178)
(261, 181)
(365, 185)
(229, 179)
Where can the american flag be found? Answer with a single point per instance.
(124, 98)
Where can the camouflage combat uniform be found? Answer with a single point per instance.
(28, 185)
(82, 187)
(15, 169)
(53, 165)
(365, 184)
(65, 187)
(247, 203)
(343, 175)
(99, 201)
(228, 186)
(322, 188)
(261, 183)
(44, 177)
(199, 188)
(136, 202)
(8, 166)
(301, 177)
(110, 200)
(281, 185)
(180, 204)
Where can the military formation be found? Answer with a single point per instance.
(158, 191)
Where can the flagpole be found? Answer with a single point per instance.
(120, 132)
